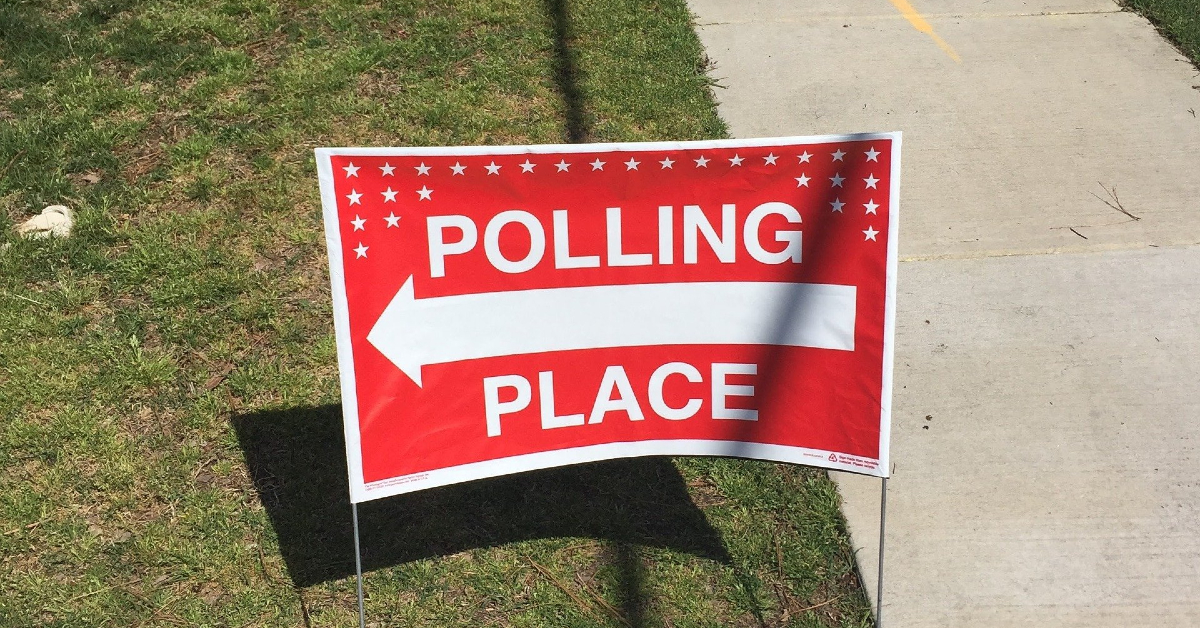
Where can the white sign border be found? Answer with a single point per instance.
(360, 491)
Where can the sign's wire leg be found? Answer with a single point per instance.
(362, 616)
(882, 529)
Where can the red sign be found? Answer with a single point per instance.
(501, 309)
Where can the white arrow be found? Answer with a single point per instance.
(414, 332)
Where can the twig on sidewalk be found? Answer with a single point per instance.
(1116, 204)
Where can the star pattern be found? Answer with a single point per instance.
(851, 156)
(701, 161)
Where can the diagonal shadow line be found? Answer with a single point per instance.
(566, 73)
(790, 310)
(296, 459)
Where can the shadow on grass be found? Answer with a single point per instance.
(297, 460)
(566, 73)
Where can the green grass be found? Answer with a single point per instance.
(169, 449)
(1179, 20)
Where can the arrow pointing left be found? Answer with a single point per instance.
(414, 332)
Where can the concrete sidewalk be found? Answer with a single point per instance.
(1057, 480)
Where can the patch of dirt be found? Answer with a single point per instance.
(705, 494)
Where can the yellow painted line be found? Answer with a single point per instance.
(921, 25)
(879, 17)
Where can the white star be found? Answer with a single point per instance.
(389, 195)
(735, 160)
(392, 220)
(351, 170)
(802, 180)
(837, 205)
(804, 157)
(837, 155)
(598, 165)
(458, 168)
(361, 251)
(492, 168)
(422, 169)
(354, 196)
(871, 206)
(871, 181)
(562, 165)
(358, 223)
(387, 169)
(667, 163)
(873, 155)
(632, 164)
(702, 162)
(837, 180)
(525, 167)
(870, 233)
(425, 193)
(770, 159)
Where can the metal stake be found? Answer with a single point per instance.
(362, 616)
(882, 529)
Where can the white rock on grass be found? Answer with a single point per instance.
(55, 220)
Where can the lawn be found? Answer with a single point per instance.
(170, 448)
(1179, 20)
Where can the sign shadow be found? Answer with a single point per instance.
(296, 459)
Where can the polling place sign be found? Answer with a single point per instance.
(506, 308)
